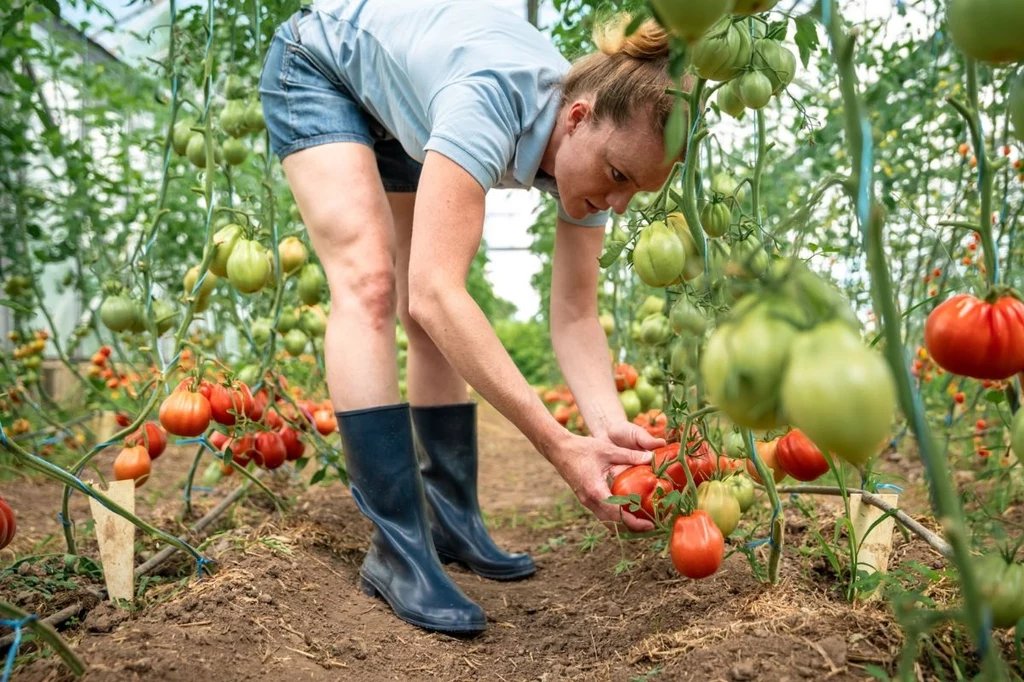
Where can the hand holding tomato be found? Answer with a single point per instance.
(587, 464)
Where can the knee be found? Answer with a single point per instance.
(372, 292)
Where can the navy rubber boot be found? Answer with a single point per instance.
(446, 439)
(401, 566)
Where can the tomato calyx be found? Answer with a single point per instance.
(999, 291)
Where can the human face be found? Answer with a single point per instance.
(600, 166)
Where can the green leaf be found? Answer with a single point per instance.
(995, 397)
(17, 307)
(806, 38)
(51, 5)
(675, 131)
(621, 499)
(318, 476)
(611, 254)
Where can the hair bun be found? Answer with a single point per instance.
(648, 42)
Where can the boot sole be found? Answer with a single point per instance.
(500, 577)
(469, 630)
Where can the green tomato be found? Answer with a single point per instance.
(839, 393)
(742, 489)
(718, 500)
(715, 218)
(117, 313)
(743, 365)
(311, 282)
(686, 318)
(689, 19)
(754, 89)
(1002, 588)
(295, 342)
(988, 30)
(630, 403)
(651, 305)
(249, 269)
(659, 255)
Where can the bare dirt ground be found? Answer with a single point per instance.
(284, 603)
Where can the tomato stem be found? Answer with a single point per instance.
(778, 524)
(47, 633)
(944, 495)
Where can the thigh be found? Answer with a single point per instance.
(339, 193)
(304, 103)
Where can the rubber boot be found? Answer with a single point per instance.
(446, 440)
(401, 566)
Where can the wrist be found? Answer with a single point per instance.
(550, 440)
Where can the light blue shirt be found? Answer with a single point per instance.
(463, 78)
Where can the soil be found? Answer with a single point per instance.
(284, 603)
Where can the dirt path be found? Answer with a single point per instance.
(285, 606)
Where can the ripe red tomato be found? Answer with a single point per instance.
(306, 410)
(122, 419)
(326, 422)
(800, 457)
(8, 523)
(697, 546)
(133, 464)
(642, 481)
(980, 425)
(184, 413)
(562, 414)
(259, 404)
(153, 437)
(269, 451)
(625, 376)
(242, 449)
(959, 397)
(218, 440)
(227, 404)
(293, 445)
(654, 422)
(974, 338)
(272, 418)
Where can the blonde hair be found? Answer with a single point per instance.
(627, 75)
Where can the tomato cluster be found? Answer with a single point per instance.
(29, 355)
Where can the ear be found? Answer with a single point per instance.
(576, 114)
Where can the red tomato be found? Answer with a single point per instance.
(326, 422)
(306, 410)
(185, 414)
(153, 437)
(937, 272)
(227, 404)
(959, 397)
(122, 419)
(562, 414)
(293, 445)
(800, 457)
(8, 523)
(625, 376)
(980, 425)
(974, 338)
(697, 546)
(272, 418)
(105, 351)
(269, 451)
(218, 440)
(242, 449)
(133, 464)
(654, 422)
(259, 404)
(642, 481)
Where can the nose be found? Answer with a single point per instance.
(619, 201)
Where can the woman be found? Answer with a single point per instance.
(392, 119)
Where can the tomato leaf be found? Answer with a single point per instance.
(318, 476)
(806, 38)
(611, 254)
(51, 5)
(621, 499)
(17, 307)
(995, 397)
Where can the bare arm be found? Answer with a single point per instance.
(447, 228)
(579, 341)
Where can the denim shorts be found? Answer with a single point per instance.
(304, 106)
